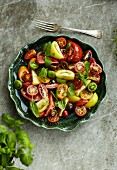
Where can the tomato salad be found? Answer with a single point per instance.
(60, 78)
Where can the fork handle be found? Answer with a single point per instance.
(94, 33)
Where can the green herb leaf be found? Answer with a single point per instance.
(81, 77)
(47, 48)
(71, 91)
(71, 85)
(26, 158)
(48, 62)
(61, 104)
(54, 95)
(13, 168)
(43, 73)
(87, 68)
(11, 140)
(3, 129)
(68, 46)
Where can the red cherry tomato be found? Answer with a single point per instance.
(43, 90)
(77, 83)
(65, 113)
(30, 54)
(35, 98)
(81, 102)
(95, 68)
(92, 60)
(80, 110)
(54, 118)
(32, 90)
(79, 67)
(27, 77)
(26, 84)
(74, 53)
(61, 42)
(51, 105)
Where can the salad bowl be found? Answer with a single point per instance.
(22, 106)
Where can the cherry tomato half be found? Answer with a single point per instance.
(30, 54)
(54, 118)
(74, 53)
(95, 68)
(79, 67)
(61, 42)
(26, 84)
(77, 83)
(94, 77)
(35, 98)
(92, 60)
(62, 91)
(52, 86)
(43, 90)
(32, 90)
(65, 113)
(85, 94)
(80, 110)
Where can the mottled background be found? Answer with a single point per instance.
(92, 145)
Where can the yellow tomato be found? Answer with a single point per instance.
(22, 70)
(56, 50)
(45, 80)
(73, 99)
(92, 101)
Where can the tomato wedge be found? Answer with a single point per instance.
(79, 67)
(86, 94)
(80, 110)
(30, 54)
(43, 90)
(22, 70)
(77, 83)
(81, 102)
(95, 68)
(75, 52)
(51, 105)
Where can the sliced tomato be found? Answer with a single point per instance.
(52, 86)
(92, 60)
(27, 77)
(51, 105)
(43, 90)
(31, 61)
(95, 68)
(61, 42)
(81, 102)
(32, 90)
(85, 94)
(41, 59)
(45, 80)
(62, 91)
(75, 52)
(26, 84)
(94, 77)
(30, 54)
(77, 83)
(80, 110)
(35, 98)
(65, 113)
(79, 67)
(41, 114)
(22, 70)
(54, 118)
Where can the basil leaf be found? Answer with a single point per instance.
(3, 129)
(54, 95)
(61, 104)
(71, 91)
(71, 85)
(48, 62)
(26, 158)
(43, 73)
(87, 68)
(81, 77)
(11, 140)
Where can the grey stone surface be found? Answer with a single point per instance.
(92, 145)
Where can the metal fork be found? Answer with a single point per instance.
(52, 27)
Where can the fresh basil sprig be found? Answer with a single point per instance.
(14, 143)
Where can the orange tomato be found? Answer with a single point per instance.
(22, 70)
(45, 80)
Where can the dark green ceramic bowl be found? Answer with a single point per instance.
(65, 124)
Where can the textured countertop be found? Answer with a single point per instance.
(93, 144)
